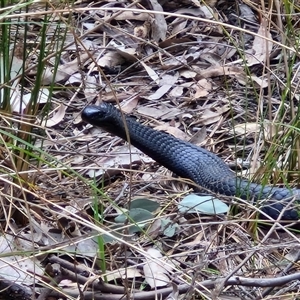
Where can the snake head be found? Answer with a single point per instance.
(98, 115)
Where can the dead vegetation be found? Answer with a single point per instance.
(223, 75)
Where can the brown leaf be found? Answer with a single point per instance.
(179, 25)
(57, 117)
(152, 74)
(64, 71)
(212, 115)
(166, 83)
(159, 26)
(219, 71)
(128, 54)
(173, 131)
(262, 46)
(196, 12)
(176, 92)
(257, 82)
(110, 59)
(187, 73)
(142, 31)
(202, 88)
(129, 272)
(156, 269)
(173, 42)
(119, 158)
(130, 15)
(129, 105)
(212, 58)
(199, 136)
(161, 112)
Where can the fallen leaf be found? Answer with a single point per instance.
(176, 92)
(154, 229)
(64, 71)
(77, 159)
(187, 73)
(129, 15)
(173, 131)
(168, 227)
(75, 78)
(199, 136)
(256, 82)
(212, 115)
(142, 31)
(90, 87)
(211, 58)
(128, 54)
(19, 105)
(261, 82)
(255, 128)
(57, 117)
(201, 88)
(130, 272)
(219, 71)
(202, 204)
(110, 59)
(152, 112)
(208, 12)
(178, 25)
(120, 158)
(162, 112)
(155, 270)
(159, 26)
(172, 44)
(129, 105)
(13, 266)
(152, 74)
(166, 83)
(262, 45)
(196, 12)
(247, 13)
(144, 203)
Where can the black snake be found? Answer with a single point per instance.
(189, 161)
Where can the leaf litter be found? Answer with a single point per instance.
(176, 74)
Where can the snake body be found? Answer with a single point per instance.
(189, 161)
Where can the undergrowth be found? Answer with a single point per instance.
(57, 178)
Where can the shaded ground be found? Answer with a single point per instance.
(224, 77)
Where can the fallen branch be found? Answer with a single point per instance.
(183, 288)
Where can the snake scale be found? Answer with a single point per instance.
(190, 161)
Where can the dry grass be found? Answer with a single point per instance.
(224, 76)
